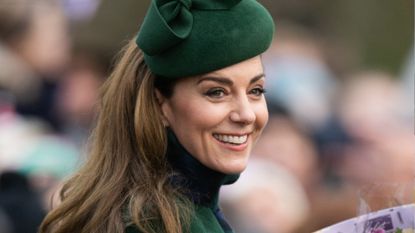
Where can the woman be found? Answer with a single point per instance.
(178, 118)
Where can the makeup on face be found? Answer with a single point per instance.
(219, 116)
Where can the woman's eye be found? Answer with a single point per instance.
(216, 93)
(258, 91)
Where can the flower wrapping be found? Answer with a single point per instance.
(399, 219)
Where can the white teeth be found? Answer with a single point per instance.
(231, 139)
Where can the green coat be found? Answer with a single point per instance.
(203, 221)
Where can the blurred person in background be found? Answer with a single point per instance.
(266, 199)
(39, 159)
(34, 49)
(297, 58)
(286, 145)
(371, 110)
(77, 96)
(34, 45)
(20, 203)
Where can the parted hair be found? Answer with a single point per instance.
(125, 179)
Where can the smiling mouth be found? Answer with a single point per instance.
(231, 139)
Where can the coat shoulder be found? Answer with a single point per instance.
(203, 221)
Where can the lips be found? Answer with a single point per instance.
(232, 139)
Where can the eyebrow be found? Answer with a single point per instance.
(227, 81)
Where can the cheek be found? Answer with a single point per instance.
(261, 112)
(197, 116)
(193, 124)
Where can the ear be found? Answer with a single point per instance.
(164, 108)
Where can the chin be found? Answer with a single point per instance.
(235, 169)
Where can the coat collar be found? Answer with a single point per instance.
(199, 183)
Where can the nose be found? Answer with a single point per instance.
(243, 111)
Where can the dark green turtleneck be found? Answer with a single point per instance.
(201, 185)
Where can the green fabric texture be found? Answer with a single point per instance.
(183, 38)
(203, 221)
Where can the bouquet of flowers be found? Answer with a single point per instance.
(381, 210)
(399, 219)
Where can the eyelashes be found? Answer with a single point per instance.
(258, 91)
(218, 93)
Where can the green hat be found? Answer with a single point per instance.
(182, 38)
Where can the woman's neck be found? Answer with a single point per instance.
(198, 182)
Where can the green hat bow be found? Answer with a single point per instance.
(173, 21)
(188, 37)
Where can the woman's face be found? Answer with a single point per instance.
(219, 116)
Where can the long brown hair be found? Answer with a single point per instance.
(125, 178)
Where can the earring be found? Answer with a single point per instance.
(165, 123)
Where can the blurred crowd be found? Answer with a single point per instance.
(332, 141)
(48, 94)
(335, 147)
